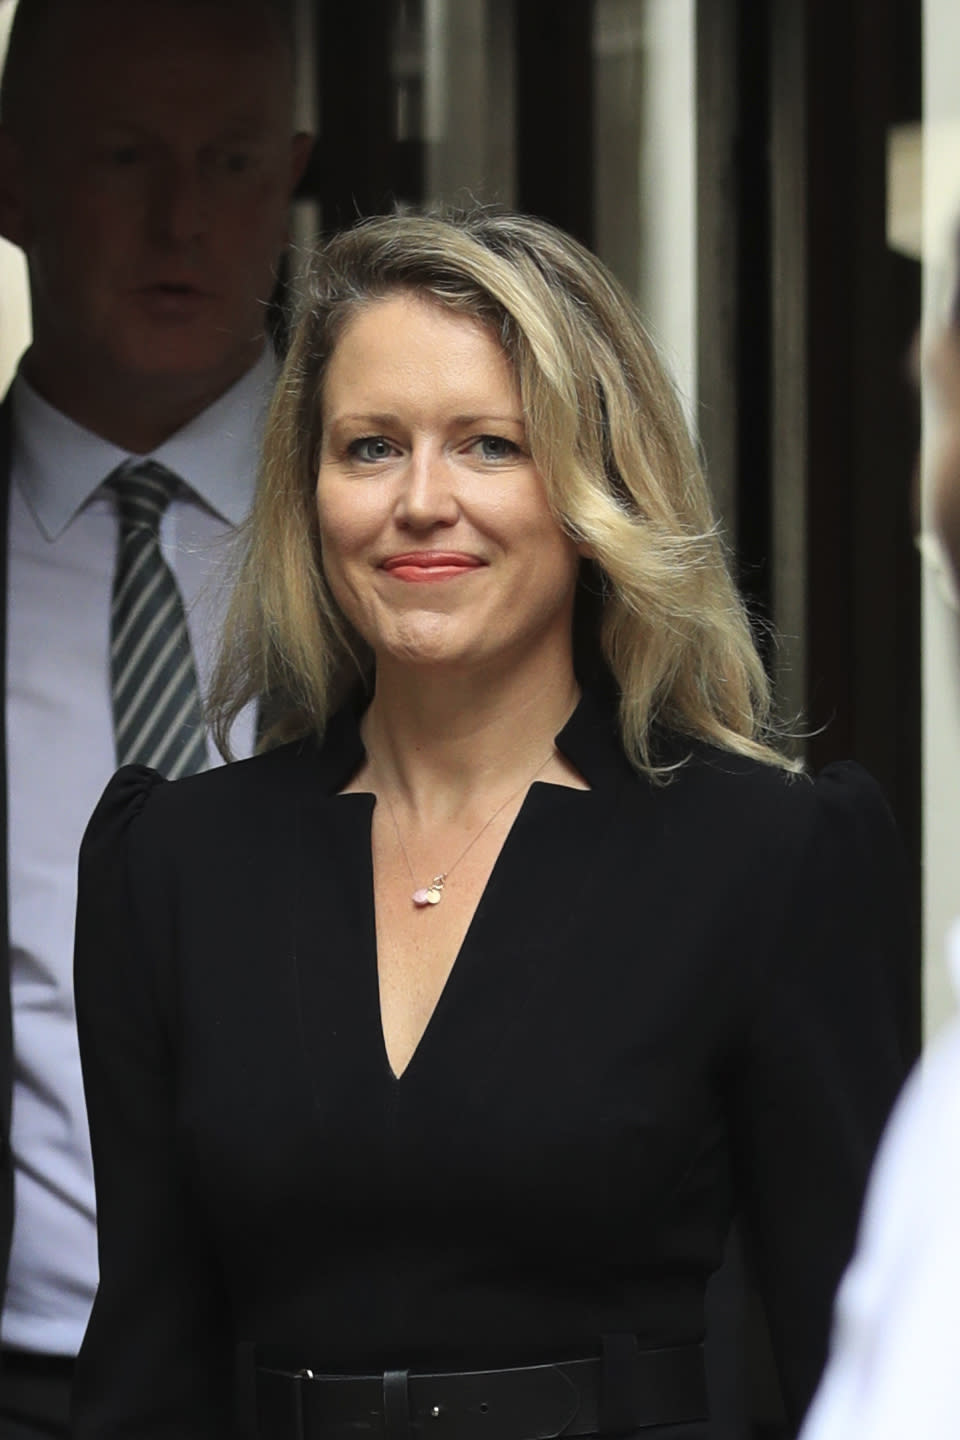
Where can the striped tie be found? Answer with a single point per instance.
(157, 716)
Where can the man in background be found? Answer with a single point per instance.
(893, 1371)
(147, 160)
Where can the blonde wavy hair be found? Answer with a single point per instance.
(657, 603)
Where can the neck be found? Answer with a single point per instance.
(442, 742)
(133, 412)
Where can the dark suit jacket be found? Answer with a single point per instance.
(672, 1000)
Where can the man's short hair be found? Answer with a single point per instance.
(23, 70)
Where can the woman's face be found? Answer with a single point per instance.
(437, 540)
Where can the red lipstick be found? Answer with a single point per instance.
(421, 566)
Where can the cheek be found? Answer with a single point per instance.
(75, 278)
(561, 554)
(333, 568)
(548, 577)
(343, 531)
(258, 215)
(111, 212)
(60, 226)
(567, 573)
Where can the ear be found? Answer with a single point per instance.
(301, 148)
(13, 199)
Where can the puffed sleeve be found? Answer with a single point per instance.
(156, 1360)
(821, 1064)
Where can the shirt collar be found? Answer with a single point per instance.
(60, 464)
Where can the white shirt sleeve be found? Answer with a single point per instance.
(894, 1369)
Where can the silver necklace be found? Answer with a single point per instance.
(432, 894)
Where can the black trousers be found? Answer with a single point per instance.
(34, 1396)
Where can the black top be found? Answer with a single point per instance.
(672, 1000)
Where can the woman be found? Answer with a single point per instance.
(429, 1053)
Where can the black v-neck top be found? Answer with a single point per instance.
(673, 1000)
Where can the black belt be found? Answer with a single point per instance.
(626, 1389)
(33, 1364)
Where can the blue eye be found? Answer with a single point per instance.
(370, 447)
(497, 447)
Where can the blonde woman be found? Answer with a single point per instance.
(429, 1053)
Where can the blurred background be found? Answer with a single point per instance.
(774, 181)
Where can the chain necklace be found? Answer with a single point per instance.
(432, 894)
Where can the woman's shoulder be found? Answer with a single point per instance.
(843, 792)
(705, 795)
(823, 850)
(142, 808)
(761, 824)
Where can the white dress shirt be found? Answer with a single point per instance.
(894, 1369)
(60, 754)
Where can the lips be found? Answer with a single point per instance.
(171, 285)
(170, 300)
(421, 566)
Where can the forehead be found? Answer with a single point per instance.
(405, 341)
(164, 62)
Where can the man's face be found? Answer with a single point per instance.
(151, 191)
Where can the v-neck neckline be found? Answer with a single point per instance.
(446, 997)
(519, 884)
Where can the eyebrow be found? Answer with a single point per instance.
(388, 418)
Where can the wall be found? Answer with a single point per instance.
(645, 167)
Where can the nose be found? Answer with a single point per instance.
(178, 201)
(427, 495)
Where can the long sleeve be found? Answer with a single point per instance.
(157, 1356)
(820, 1067)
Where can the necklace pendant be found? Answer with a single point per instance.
(429, 894)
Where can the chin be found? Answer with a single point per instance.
(183, 358)
(430, 652)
